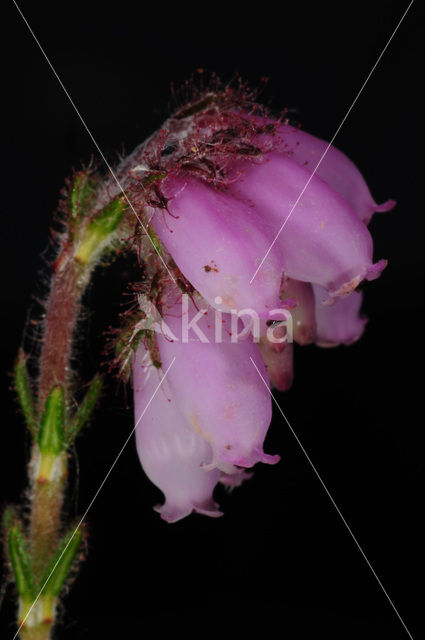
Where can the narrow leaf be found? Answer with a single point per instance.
(98, 233)
(20, 561)
(51, 433)
(60, 564)
(80, 194)
(24, 391)
(83, 413)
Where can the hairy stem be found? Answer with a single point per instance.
(43, 550)
(47, 490)
(63, 308)
(45, 520)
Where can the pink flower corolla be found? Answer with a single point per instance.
(335, 169)
(217, 386)
(340, 323)
(303, 314)
(323, 240)
(218, 242)
(172, 454)
(278, 358)
(219, 180)
(214, 187)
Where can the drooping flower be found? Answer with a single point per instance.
(231, 408)
(333, 167)
(171, 452)
(236, 217)
(323, 241)
(217, 242)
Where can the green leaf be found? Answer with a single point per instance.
(24, 391)
(83, 413)
(80, 194)
(19, 557)
(98, 232)
(60, 564)
(51, 432)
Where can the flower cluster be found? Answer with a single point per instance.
(246, 225)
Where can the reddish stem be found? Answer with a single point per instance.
(63, 308)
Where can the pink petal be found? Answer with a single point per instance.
(335, 168)
(303, 318)
(323, 241)
(340, 323)
(279, 364)
(219, 390)
(230, 481)
(217, 242)
(172, 454)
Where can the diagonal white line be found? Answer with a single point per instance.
(333, 138)
(93, 499)
(102, 155)
(333, 501)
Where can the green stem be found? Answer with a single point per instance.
(47, 488)
(53, 429)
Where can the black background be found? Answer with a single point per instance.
(280, 559)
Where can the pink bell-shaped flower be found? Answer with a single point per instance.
(323, 240)
(340, 323)
(217, 242)
(218, 389)
(235, 211)
(335, 168)
(172, 454)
